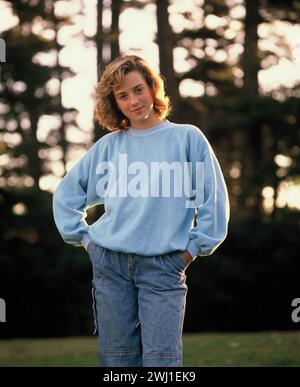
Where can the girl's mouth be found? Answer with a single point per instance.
(137, 110)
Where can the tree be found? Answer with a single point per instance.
(25, 90)
(165, 41)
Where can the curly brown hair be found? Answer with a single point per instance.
(106, 110)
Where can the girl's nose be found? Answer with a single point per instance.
(134, 100)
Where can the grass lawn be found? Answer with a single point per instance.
(270, 349)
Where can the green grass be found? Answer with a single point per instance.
(205, 349)
(268, 349)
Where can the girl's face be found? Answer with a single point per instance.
(134, 99)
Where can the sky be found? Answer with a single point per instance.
(138, 29)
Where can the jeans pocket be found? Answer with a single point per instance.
(180, 260)
(97, 258)
(93, 251)
(176, 262)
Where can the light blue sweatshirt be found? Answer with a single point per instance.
(120, 171)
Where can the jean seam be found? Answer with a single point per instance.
(94, 309)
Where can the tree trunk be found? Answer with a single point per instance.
(99, 37)
(114, 37)
(252, 151)
(98, 130)
(34, 165)
(60, 110)
(165, 43)
(251, 61)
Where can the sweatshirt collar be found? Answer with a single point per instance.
(148, 131)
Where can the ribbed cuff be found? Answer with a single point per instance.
(194, 251)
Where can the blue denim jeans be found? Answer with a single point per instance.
(139, 307)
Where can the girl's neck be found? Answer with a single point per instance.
(146, 124)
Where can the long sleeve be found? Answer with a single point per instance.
(74, 194)
(213, 214)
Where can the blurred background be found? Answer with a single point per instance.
(232, 67)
